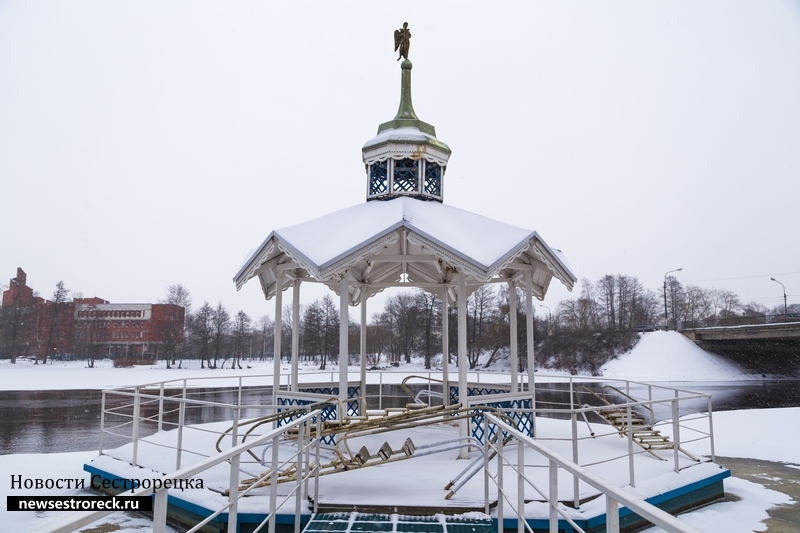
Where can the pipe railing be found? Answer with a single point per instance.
(670, 400)
(305, 468)
(613, 494)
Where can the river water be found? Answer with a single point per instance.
(69, 420)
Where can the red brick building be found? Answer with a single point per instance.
(32, 326)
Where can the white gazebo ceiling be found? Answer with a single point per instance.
(404, 242)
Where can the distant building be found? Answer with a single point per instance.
(85, 326)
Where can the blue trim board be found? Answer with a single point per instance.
(682, 498)
(178, 503)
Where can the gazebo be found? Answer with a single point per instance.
(404, 235)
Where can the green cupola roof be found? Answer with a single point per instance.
(406, 117)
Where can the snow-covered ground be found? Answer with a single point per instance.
(670, 356)
(659, 356)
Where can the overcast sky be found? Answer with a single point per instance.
(150, 143)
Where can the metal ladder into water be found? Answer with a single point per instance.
(643, 433)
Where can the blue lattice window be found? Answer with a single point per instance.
(405, 176)
(378, 182)
(433, 179)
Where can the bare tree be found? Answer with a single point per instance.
(178, 295)
(201, 326)
(241, 335)
(265, 336)
(404, 316)
(430, 324)
(220, 324)
(55, 308)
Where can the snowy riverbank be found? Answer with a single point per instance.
(659, 356)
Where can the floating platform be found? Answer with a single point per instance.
(415, 487)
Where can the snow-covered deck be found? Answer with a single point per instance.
(417, 485)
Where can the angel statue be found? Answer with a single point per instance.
(402, 40)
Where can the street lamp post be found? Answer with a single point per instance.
(549, 319)
(784, 296)
(666, 316)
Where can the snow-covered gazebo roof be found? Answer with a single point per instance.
(403, 242)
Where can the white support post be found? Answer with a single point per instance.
(631, 472)
(529, 331)
(512, 326)
(612, 515)
(103, 421)
(445, 349)
(161, 407)
(463, 423)
(273, 483)
(553, 496)
(520, 486)
(137, 400)
(233, 494)
(295, 333)
(276, 357)
(363, 389)
(344, 301)
(160, 511)
(676, 433)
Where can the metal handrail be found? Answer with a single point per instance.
(614, 495)
(73, 522)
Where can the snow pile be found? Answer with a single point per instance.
(669, 356)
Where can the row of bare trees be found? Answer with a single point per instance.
(580, 334)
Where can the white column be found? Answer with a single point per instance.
(295, 332)
(364, 345)
(529, 331)
(343, 331)
(512, 326)
(462, 357)
(445, 349)
(276, 358)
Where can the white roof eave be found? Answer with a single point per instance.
(447, 231)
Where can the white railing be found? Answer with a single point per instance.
(146, 409)
(613, 494)
(134, 414)
(303, 465)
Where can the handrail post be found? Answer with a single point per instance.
(161, 406)
(576, 495)
(500, 464)
(307, 451)
(181, 422)
(520, 485)
(233, 492)
(486, 449)
(298, 469)
(273, 483)
(612, 515)
(630, 447)
(317, 466)
(102, 420)
(160, 511)
(553, 496)
(711, 430)
(676, 432)
(135, 428)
